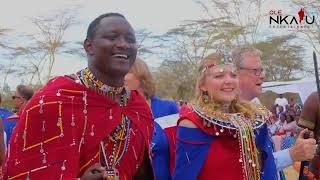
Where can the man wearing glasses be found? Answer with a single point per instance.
(20, 98)
(22, 95)
(251, 76)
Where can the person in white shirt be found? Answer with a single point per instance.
(281, 101)
(277, 133)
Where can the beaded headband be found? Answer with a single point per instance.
(225, 60)
(208, 66)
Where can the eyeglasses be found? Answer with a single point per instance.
(256, 71)
(15, 97)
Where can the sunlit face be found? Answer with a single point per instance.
(221, 82)
(251, 76)
(131, 81)
(113, 48)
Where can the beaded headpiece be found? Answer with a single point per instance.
(225, 59)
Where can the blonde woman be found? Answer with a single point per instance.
(223, 138)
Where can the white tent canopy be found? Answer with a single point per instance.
(303, 87)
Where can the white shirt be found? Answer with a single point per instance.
(281, 102)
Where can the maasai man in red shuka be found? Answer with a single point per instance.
(87, 125)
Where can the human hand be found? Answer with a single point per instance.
(303, 149)
(95, 172)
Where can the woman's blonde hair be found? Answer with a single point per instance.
(202, 71)
(142, 73)
(236, 106)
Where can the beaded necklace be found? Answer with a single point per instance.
(89, 80)
(120, 136)
(241, 128)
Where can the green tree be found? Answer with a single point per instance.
(282, 59)
(226, 24)
(244, 16)
(50, 36)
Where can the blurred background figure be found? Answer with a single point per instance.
(183, 108)
(20, 98)
(140, 78)
(4, 114)
(281, 101)
(3, 135)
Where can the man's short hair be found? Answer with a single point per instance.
(238, 54)
(95, 23)
(26, 92)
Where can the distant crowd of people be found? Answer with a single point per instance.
(283, 126)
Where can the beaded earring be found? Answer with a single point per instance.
(205, 97)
